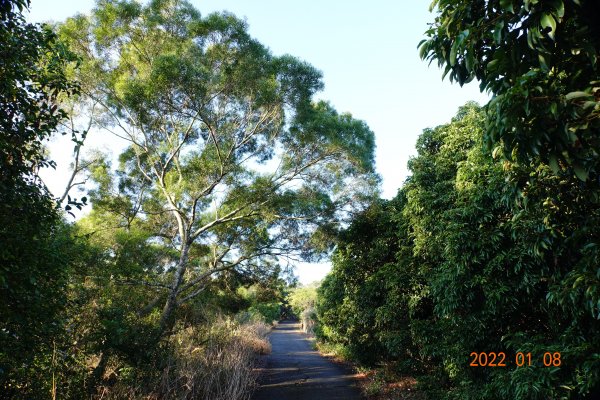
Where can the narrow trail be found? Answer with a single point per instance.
(294, 371)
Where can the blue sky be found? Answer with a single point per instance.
(367, 52)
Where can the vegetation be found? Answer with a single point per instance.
(203, 108)
(34, 256)
(539, 60)
(491, 244)
(302, 301)
(231, 171)
(453, 265)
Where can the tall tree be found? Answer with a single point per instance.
(228, 162)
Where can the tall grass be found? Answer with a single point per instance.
(214, 361)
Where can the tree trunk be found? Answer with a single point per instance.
(171, 303)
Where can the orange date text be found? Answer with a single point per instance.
(493, 359)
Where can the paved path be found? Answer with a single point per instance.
(294, 371)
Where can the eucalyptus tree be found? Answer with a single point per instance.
(228, 162)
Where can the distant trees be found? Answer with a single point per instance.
(302, 300)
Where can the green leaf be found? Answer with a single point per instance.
(548, 21)
(553, 162)
(580, 172)
(492, 65)
(507, 5)
(576, 95)
(423, 49)
(543, 62)
(469, 60)
(453, 52)
(433, 5)
(498, 32)
(560, 8)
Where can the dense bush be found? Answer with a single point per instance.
(459, 263)
(35, 246)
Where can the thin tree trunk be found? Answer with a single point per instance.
(171, 303)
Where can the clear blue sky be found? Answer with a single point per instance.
(367, 52)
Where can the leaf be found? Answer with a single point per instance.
(469, 60)
(496, 152)
(576, 95)
(453, 52)
(433, 5)
(507, 5)
(498, 32)
(553, 162)
(423, 49)
(543, 63)
(560, 8)
(492, 65)
(578, 281)
(548, 21)
(580, 172)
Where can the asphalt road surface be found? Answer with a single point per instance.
(294, 371)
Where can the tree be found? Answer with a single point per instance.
(228, 162)
(539, 60)
(363, 302)
(33, 261)
(453, 266)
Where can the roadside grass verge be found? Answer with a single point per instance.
(376, 383)
(213, 361)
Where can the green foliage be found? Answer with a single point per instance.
(34, 255)
(303, 298)
(263, 302)
(302, 301)
(540, 61)
(454, 265)
(366, 298)
(230, 165)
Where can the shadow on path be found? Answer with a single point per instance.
(294, 371)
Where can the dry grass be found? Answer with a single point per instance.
(378, 385)
(381, 383)
(211, 362)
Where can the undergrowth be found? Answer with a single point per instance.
(214, 361)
